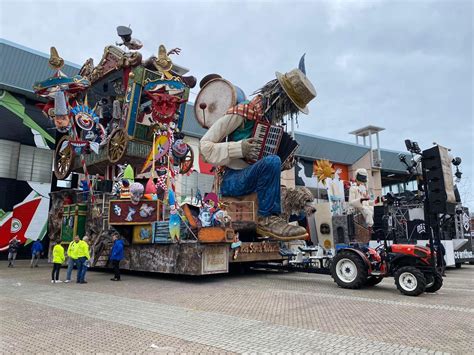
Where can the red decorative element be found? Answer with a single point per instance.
(164, 106)
(17, 224)
(47, 109)
(205, 168)
(5, 236)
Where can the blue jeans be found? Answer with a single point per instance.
(81, 268)
(70, 265)
(262, 177)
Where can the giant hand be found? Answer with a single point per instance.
(250, 149)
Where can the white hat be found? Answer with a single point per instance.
(361, 175)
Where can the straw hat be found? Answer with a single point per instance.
(298, 88)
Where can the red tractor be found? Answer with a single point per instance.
(412, 266)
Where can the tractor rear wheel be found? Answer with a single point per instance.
(434, 282)
(348, 270)
(410, 281)
(373, 280)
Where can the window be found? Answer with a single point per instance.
(35, 164)
(9, 152)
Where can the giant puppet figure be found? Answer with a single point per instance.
(228, 144)
(359, 197)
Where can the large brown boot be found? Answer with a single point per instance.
(277, 228)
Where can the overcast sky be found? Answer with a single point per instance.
(402, 65)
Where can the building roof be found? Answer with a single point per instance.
(391, 162)
(21, 67)
(315, 147)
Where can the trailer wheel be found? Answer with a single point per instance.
(458, 265)
(410, 281)
(348, 270)
(434, 282)
(373, 280)
(63, 158)
(117, 145)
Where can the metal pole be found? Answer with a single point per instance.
(429, 226)
(378, 147)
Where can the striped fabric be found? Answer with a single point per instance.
(252, 110)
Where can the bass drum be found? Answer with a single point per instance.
(214, 99)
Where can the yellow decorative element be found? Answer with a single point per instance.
(327, 244)
(163, 62)
(55, 61)
(322, 170)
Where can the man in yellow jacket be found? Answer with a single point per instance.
(82, 252)
(58, 260)
(72, 257)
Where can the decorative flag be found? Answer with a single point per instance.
(162, 145)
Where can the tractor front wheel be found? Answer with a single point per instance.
(410, 281)
(348, 270)
(434, 282)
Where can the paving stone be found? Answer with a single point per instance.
(254, 313)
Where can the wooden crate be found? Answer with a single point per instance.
(215, 235)
(242, 208)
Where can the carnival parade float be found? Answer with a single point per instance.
(119, 129)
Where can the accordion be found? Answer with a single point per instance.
(273, 140)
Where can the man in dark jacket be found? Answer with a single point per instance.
(36, 252)
(116, 255)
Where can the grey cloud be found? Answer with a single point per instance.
(402, 65)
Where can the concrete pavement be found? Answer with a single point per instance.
(253, 313)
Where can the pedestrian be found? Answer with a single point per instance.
(82, 257)
(72, 257)
(58, 260)
(441, 254)
(36, 252)
(12, 251)
(116, 255)
(87, 262)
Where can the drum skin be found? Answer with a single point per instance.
(218, 95)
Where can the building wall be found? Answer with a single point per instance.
(375, 177)
(25, 163)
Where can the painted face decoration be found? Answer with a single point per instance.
(180, 149)
(84, 121)
(62, 123)
(205, 217)
(164, 106)
(85, 117)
